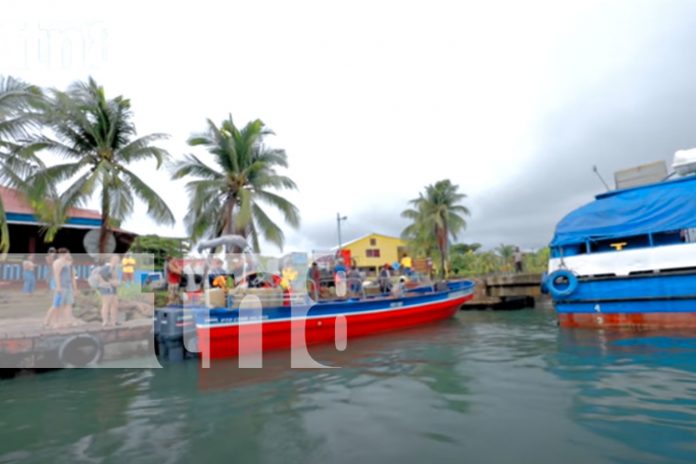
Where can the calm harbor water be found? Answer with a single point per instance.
(484, 387)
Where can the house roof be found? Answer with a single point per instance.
(362, 237)
(15, 202)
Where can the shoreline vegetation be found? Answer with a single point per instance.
(96, 139)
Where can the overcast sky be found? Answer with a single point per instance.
(514, 101)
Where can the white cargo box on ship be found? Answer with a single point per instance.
(640, 175)
(685, 162)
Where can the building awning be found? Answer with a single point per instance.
(662, 207)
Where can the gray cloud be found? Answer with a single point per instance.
(644, 114)
(381, 218)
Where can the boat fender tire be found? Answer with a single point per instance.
(560, 292)
(191, 344)
(83, 350)
(544, 286)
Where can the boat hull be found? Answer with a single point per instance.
(226, 340)
(644, 320)
(637, 302)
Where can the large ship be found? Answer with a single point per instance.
(628, 258)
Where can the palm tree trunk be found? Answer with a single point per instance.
(442, 247)
(104, 228)
(442, 263)
(229, 228)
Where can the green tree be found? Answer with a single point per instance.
(462, 248)
(160, 247)
(436, 216)
(486, 262)
(462, 257)
(505, 253)
(17, 103)
(227, 198)
(98, 137)
(537, 261)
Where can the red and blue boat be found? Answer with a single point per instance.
(221, 331)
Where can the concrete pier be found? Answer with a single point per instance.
(26, 344)
(506, 291)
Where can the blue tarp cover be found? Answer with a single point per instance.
(662, 207)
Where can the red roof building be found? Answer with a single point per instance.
(26, 234)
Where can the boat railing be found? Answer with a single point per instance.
(313, 289)
(356, 283)
(354, 288)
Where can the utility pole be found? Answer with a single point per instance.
(339, 218)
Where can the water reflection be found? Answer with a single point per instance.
(638, 388)
(485, 387)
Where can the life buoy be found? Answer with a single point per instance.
(83, 350)
(557, 287)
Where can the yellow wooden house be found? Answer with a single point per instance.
(372, 251)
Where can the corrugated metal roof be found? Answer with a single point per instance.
(15, 202)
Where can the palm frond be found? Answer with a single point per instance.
(82, 189)
(156, 206)
(270, 230)
(142, 149)
(290, 212)
(191, 165)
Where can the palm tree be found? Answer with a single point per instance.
(98, 137)
(436, 216)
(226, 198)
(16, 117)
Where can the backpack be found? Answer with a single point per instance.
(94, 280)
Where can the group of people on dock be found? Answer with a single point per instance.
(62, 283)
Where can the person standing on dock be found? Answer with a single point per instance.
(128, 264)
(50, 258)
(60, 313)
(29, 275)
(518, 260)
(108, 287)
